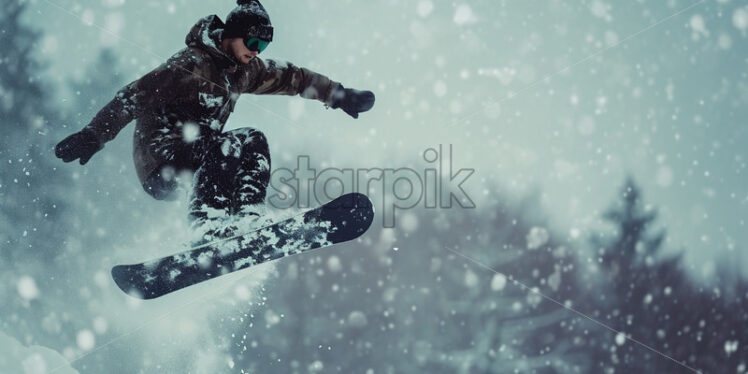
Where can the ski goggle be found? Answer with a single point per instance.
(256, 44)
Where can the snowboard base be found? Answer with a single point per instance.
(341, 220)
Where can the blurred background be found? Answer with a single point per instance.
(608, 235)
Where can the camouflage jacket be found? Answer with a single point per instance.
(199, 85)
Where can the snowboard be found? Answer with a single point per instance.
(343, 219)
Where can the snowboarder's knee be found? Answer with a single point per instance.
(251, 136)
(258, 137)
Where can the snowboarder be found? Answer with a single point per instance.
(182, 106)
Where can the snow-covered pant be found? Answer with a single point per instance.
(231, 174)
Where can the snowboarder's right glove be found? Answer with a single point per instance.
(352, 101)
(81, 145)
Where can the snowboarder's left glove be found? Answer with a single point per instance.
(81, 145)
(352, 101)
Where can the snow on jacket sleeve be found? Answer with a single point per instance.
(133, 100)
(284, 78)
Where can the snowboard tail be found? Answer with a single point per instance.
(341, 220)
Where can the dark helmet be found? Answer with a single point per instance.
(248, 19)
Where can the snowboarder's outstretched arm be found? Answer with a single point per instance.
(128, 104)
(283, 78)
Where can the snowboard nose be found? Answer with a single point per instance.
(351, 214)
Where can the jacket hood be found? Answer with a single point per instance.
(206, 35)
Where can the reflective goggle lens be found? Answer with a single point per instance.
(256, 44)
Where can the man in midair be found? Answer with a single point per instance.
(182, 106)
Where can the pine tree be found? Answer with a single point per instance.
(31, 201)
(650, 297)
(636, 281)
(27, 208)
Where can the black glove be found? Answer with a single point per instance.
(81, 145)
(352, 101)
